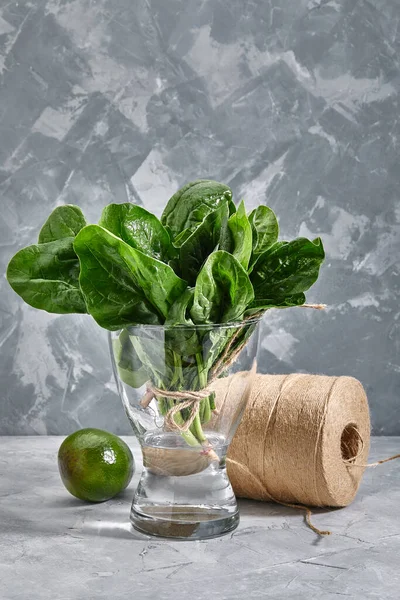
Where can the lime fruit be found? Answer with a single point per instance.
(95, 465)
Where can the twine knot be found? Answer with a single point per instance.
(186, 399)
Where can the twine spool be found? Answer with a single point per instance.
(299, 440)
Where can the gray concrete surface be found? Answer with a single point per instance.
(294, 103)
(54, 546)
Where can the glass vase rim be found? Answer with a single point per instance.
(187, 326)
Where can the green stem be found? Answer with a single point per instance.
(202, 411)
(197, 429)
(205, 409)
(178, 378)
(164, 404)
(211, 398)
(188, 436)
(195, 436)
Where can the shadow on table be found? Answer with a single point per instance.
(67, 515)
(87, 527)
(69, 501)
(111, 519)
(258, 508)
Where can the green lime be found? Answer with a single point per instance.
(95, 465)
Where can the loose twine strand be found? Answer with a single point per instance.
(378, 462)
(306, 509)
(192, 399)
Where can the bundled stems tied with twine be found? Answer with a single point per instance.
(186, 399)
(192, 398)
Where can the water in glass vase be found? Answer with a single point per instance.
(175, 476)
(184, 390)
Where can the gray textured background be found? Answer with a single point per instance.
(293, 103)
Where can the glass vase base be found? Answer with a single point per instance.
(184, 522)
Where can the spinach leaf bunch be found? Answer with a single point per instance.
(205, 262)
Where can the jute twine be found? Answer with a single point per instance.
(185, 399)
(303, 441)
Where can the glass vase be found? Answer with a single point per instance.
(184, 390)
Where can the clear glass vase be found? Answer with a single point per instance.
(184, 390)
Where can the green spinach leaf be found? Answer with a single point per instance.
(64, 222)
(154, 354)
(285, 271)
(188, 207)
(265, 230)
(179, 313)
(121, 285)
(180, 333)
(130, 368)
(222, 291)
(266, 303)
(182, 237)
(209, 235)
(46, 277)
(241, 233)
(139, 228)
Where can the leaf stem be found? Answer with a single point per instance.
(198, 430)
